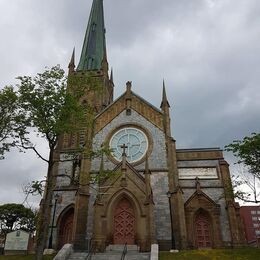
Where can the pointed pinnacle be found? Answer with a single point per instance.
(164, 97)
(104, 63)
(111, 76)
(72, 60)
(197, 183)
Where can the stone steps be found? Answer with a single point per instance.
(78, 256)
(113, 252)
(117, 256)
(120, 248)
(111, 256)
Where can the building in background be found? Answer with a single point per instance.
(178, 198)
(251, 220)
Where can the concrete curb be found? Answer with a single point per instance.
(154, 252)
(64, 253)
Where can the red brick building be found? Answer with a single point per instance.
(251, 219)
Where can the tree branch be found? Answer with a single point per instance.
(35, 150)
(248, 200)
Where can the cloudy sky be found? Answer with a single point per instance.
(208, 52)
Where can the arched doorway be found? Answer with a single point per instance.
(66, 226)
(124, 223)
(203, 231)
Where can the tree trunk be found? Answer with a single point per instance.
(45, 210)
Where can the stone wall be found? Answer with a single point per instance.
(89, 231)
(64, 168)
(157, 161)
(157, 158)
(66, 198)
(159, 183)
(213, 188)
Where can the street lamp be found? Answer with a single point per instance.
(56, 197)
(169, 194)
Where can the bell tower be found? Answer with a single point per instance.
(93, 69)
(92, 74)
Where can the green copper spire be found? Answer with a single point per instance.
(94, 44)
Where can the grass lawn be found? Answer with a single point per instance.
(23, 257)
(213, 254)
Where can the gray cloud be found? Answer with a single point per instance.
(206, 50)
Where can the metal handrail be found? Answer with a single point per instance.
(91, 251)
(124, 252)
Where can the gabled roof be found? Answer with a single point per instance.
(148, 103)
(138, 104)
(198, 193)
(131, 168)
(110, 182)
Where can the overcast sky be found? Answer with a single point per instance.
(208, 52)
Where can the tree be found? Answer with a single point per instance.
(16, 216)
(9, 124)
(248, 153)
(246, 187)
(50, 110)
(47, 107)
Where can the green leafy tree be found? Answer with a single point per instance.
(47, 107)
(9, 123)
(16, 216)
(49, 110)
(247, 151)
(245, 186)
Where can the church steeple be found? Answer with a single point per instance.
(94, 45)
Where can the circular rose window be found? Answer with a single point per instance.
(134, 139)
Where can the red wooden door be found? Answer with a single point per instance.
(124, 223)
(65, 232)
(203, 234)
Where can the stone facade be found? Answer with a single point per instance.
(159, 183)
(157, 152)
(195, 167)
(178, 198)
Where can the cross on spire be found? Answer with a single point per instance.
(124, 147)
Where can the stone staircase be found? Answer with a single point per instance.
(113, 252)
(78, 256)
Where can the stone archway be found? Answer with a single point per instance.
(124, 223)
(203, 231)
(203, 218)
(66, 228)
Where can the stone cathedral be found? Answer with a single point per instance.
(177, 198)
